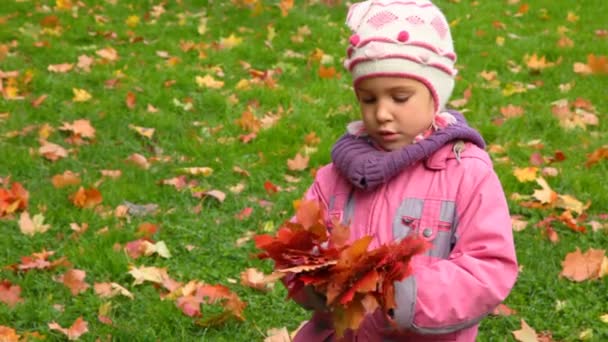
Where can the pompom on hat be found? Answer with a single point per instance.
(402, 38)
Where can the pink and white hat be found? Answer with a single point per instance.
(406, 38)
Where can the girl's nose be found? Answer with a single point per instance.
(382, 112)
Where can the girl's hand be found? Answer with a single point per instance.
(314, 300)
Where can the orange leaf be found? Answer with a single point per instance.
(8, 334)
(598, 65)
(348, 318)
(256, 279)
(580, 267)
(597, 155)
(130, 100)
(74, 280)
(298, 163)
(86, 198)
(512, 111)
(66, 179)
(78, 328)
(327, 72)
(10, 295)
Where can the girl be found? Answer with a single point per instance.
(398, 173)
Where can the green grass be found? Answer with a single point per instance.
(311, 104)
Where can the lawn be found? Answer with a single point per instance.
(182, 121)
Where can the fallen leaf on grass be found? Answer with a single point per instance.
(30, 226)
(596, 156)
(144, 273)
(503, 310)
(51, 151)
(578, 267)
(10, 295)
(298, 163)
(597, 65)
(67, 178)
(74, 280)
(525, 174)
(525, 334)
(78, 328)
(109, 290)
(143, 131)
(196, 171)
(8, 334)
(277, 335)
(39, 261)
(256, 279)
(60, 68)
(86, 198)
(139, 160)
(81, 128)
(142, 247)
(13, 199)
(245, 213)
(81, 95)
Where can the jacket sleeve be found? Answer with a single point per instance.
(451, 294)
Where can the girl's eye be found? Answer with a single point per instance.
(368, 100)
(401, 99)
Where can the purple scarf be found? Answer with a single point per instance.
(367, 167)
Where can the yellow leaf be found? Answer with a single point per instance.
(195, 171)
(544, 195)
(572, 17)
(81, 95)
(604, 318)
(525, 174)
(143, 131)
(230, 42)
(525, 334)
(30, 226)
(132, 21)
(208, 82)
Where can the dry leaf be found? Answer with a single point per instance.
(109, 290)
(580, 267)
(10, 295)
(525, 334)
(525, 174)
(60, 68)
(256, 279)
(277, 335)
(51, 151)
(66, 179)
(152, 274)
(139, 160)
(74, 280)
(81, 95)
(8, 334)
(30, 226)
(143, 131)
(298, 163)
(86, 198)
(108, 54)
(130, 100)
(74, 332)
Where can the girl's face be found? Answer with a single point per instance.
(394, 110)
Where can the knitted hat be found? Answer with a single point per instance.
(407, 38)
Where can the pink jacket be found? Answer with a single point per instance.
(455, 201)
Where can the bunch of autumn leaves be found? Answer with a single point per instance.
(355, 281)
